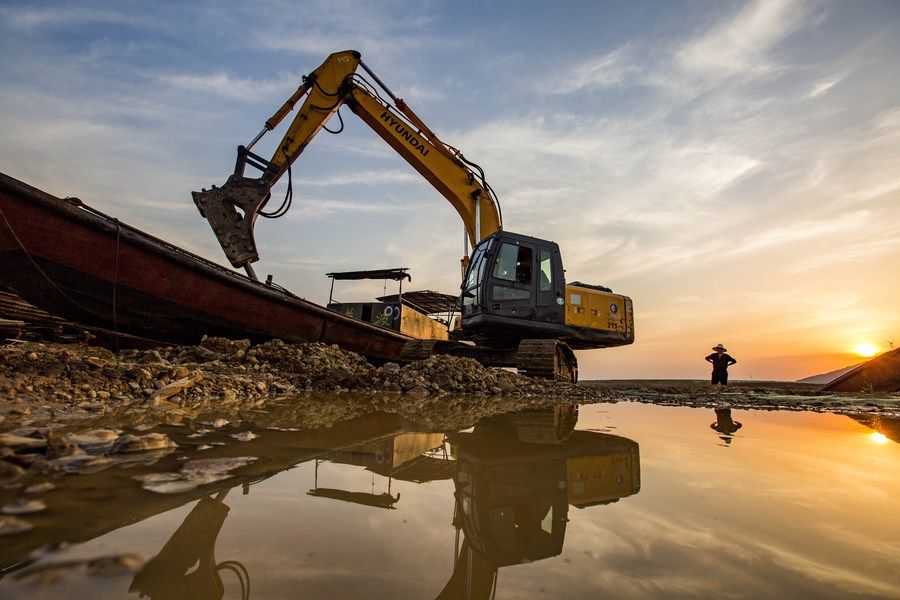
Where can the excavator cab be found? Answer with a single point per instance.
(514, 276)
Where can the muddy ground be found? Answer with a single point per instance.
(48, 384)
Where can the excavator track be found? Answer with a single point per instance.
(548, 426)
(547, 359)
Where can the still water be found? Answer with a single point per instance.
(639, 501)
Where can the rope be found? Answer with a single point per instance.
(43, 274)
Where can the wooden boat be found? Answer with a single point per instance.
(75, 262)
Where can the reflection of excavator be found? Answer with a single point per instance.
(513, 497)
(516, 304)
(515, 477)
(186, 566)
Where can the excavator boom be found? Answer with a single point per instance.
(233, 208)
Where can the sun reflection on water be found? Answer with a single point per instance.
(878, 438)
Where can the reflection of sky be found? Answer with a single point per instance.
(799, 505)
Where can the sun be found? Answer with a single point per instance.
(866, 350)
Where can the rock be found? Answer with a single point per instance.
(39, 488)
(417, 391)
(245, 436)
(22, 506)
(123, 564)
(32, 356)
(219, 423)
(194, 473)
(176, 387)
(13, 525)
(141, 443)
(80, 463)
(95, 441)
(61, 445)
(95, 361)
(72, 572)
(17, 442)
(24, 460)
(10, 472)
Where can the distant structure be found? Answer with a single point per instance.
(881, 374)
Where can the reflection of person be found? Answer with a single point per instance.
(720, 362)
(725, 424)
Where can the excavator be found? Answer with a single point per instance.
(517, 310)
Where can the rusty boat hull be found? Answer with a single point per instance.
(87, 267)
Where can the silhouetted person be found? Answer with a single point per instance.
(720, 362)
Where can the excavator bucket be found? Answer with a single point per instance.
(231, 211)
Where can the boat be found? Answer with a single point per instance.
(73, 261)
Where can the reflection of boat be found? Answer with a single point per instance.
(394, 457)
(512, 496)
(279, 451)
(72, 261)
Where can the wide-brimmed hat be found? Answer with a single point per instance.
(720, 347)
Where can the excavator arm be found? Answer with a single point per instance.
(233, 208)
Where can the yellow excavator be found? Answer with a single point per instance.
(516, 308)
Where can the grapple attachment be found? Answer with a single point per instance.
(231, 211)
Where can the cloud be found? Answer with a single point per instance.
(367, 177)
(30, 18)
(742, 44)
(823, 86)
(608, 70)
(303, 209)
(803, 230)
(228, 86)
(387, 31)
(854, 252)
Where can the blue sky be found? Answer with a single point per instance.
(732, 166)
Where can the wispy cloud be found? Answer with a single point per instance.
(228, 86)
(607, 70)
(743, 43)
(33, 17)
(367, 177)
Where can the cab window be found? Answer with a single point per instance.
(546, 270)
(514, 263)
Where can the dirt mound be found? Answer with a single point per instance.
(84, 380)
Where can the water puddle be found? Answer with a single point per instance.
(625, 500)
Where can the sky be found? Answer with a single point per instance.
(733, 167)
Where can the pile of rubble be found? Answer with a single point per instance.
(66, 377)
